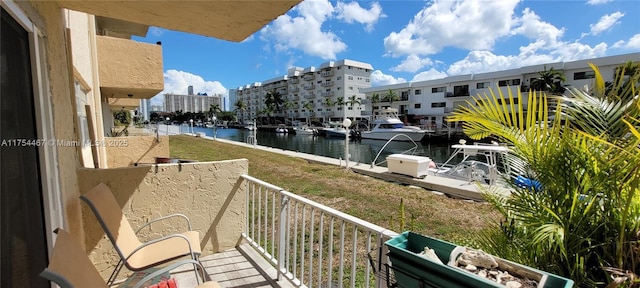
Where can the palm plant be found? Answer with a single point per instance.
(585, 151)
(390, 96)
(241, 107)
(214, 109)
(307, 106)
(375, 99)
(549, 81)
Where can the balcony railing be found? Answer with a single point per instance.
(327, 93)
(326, 73)
(294, 81)
(309, 87)
(310, 96)
(302, 239)
(309, 77)
(327, 84)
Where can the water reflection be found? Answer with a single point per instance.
(362, 151)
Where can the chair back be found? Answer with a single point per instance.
(69, 265)
(113, 222)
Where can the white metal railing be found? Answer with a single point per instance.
(311, 244)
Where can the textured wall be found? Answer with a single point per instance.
(211, 194)
(129, 67)
(126, 151)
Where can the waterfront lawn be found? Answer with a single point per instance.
(367, 198)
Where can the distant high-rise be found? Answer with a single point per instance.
(190, 90)
(190, 103)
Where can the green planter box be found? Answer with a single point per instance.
(412, 270)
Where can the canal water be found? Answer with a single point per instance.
(362, 151)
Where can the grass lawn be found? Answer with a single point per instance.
(367, 198)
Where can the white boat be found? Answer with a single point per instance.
(484, 163)
(387, 125)
(282, 129)
(305, 130)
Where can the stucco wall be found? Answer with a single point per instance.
(211, 194)
(48, 16)
(126, 151)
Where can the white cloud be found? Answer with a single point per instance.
(353, 12)
(466, 24)
(412, 64)
(633, 43)
(429, 75)
(606, 22)
(598, 2)
(304, 32)
(379, 79)
(531, 26)
(155, 32)
(178, 82)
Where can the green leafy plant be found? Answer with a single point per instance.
(584, 149)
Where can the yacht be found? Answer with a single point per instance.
(282, 129)
(387, 125)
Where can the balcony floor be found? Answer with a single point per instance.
(238, 267)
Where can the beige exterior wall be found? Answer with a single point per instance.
(49, 18)
(127, 67)
(126, 151)
(123, 103)
(211, 194)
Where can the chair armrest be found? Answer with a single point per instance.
(167, 269)
(164, 218)
(161, 239)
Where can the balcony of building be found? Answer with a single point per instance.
(327, 84)
(327, 93)
(326, 73)
(129, 69)
(309, 87)
(242, 221)
(294, 89)
(310, 95)
(294, 81)
(309, 77)
(294, 97)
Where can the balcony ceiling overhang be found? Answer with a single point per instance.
(229, 20)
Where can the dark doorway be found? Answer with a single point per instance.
(23, 241)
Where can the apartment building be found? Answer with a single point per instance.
(430, 102)
(326, 93)
(191, 103)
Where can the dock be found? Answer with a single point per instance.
(451, 187)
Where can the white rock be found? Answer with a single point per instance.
(513, 284)
(482, 273)
(470, 268)
(430, 254)
(477, 258)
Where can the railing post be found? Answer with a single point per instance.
(282, 228)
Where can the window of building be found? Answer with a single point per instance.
(339, 78)
(417, 92)
(508, 101)
(510, 82)
(482, 85)
(438, 89)
(438, 104)
(584, 75)
(349, 77)
(461, 90)
(366, 80)
(350, 87)
(417, 106)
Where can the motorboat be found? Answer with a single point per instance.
(486, 163)
(282, 129)
(387, 124)
(305, 130)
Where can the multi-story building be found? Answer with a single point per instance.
(327, 93)
(190, 103)
(429, 102)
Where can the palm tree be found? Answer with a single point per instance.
(353, 100)
(241, 107)
(585, 152)
(327, 103)
(390, 96)
(214, 109)
(307, 106)
(549, 81)
(287, 105)
(375, 99)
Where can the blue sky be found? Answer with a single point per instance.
(403, 40)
